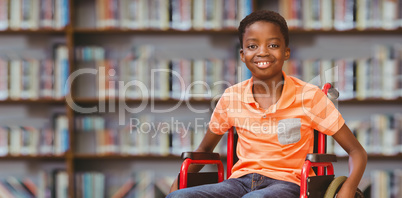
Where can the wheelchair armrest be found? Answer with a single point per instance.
(314, 157)
(200, 156)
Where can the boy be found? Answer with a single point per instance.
(274, 115)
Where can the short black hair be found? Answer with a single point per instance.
(264, 15)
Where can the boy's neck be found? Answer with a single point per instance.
(267, 92)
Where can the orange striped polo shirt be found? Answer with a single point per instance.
(275, 142)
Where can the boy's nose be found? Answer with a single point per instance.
(263, 51)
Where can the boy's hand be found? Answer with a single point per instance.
(174, 186)
(346, 192)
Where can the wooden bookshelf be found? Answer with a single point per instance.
(38, 101)
(229, 31)
(159, 101)
(37, 31)
(84, 157)
(350, 32)
(397, 101)
(376, 157)
(380, 157)
(82, 31)
(202, 101)
(38, 157)
(124, 157)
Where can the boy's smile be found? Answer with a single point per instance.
(263, 65)
(264, 50)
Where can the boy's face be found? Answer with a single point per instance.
(264, 50)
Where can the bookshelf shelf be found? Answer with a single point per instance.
(352, 31)
(376, 157)
(152, 31)
(38, 157)
(38, 101)
(373, 101)
(38, 31)
(175, 157)
(167, 101)
(385, 157)
(90, 31)
(124, 157)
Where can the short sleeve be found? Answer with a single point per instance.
(219, 123)
(324, 116)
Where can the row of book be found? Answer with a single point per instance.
(202, 79)
(161, 79)
(89, 123)
(23, 141)
(45, 185)
(34, 79)
(34, 14)
(379, 135)
(366, 78)
(175, 14)
(386, 183)
(139, 184)
(342, 14)
(147, 183)
(90, 184)
(144, 136)
(90, 53)
(376, 77)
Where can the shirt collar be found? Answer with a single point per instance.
(287, 97)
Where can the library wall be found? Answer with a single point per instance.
(57, 147)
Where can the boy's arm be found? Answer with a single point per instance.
(357, 160)
(207, 144)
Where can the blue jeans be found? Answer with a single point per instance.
(252, 185)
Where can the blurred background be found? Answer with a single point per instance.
(98, 98)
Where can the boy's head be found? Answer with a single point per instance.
(264, 44)
(264, 15)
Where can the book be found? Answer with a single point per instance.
(4, 79)
(61, 71)
(163, 184)
(15, 14)
(229, 14)
(4, 141)
(20, 190)
(61, 137)
(326, 13)
(125, 188)
(46, 13)
(61, 184)
(15, 79)
(4, 14)
(5, 191)
(46, 79)
(390, 14)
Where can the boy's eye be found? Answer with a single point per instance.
(273, 45)
(252, 47)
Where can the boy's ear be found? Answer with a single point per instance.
(287, 53)
(242, 55)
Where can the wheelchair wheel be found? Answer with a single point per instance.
(336, 185)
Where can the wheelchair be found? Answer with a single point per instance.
(324, 184)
